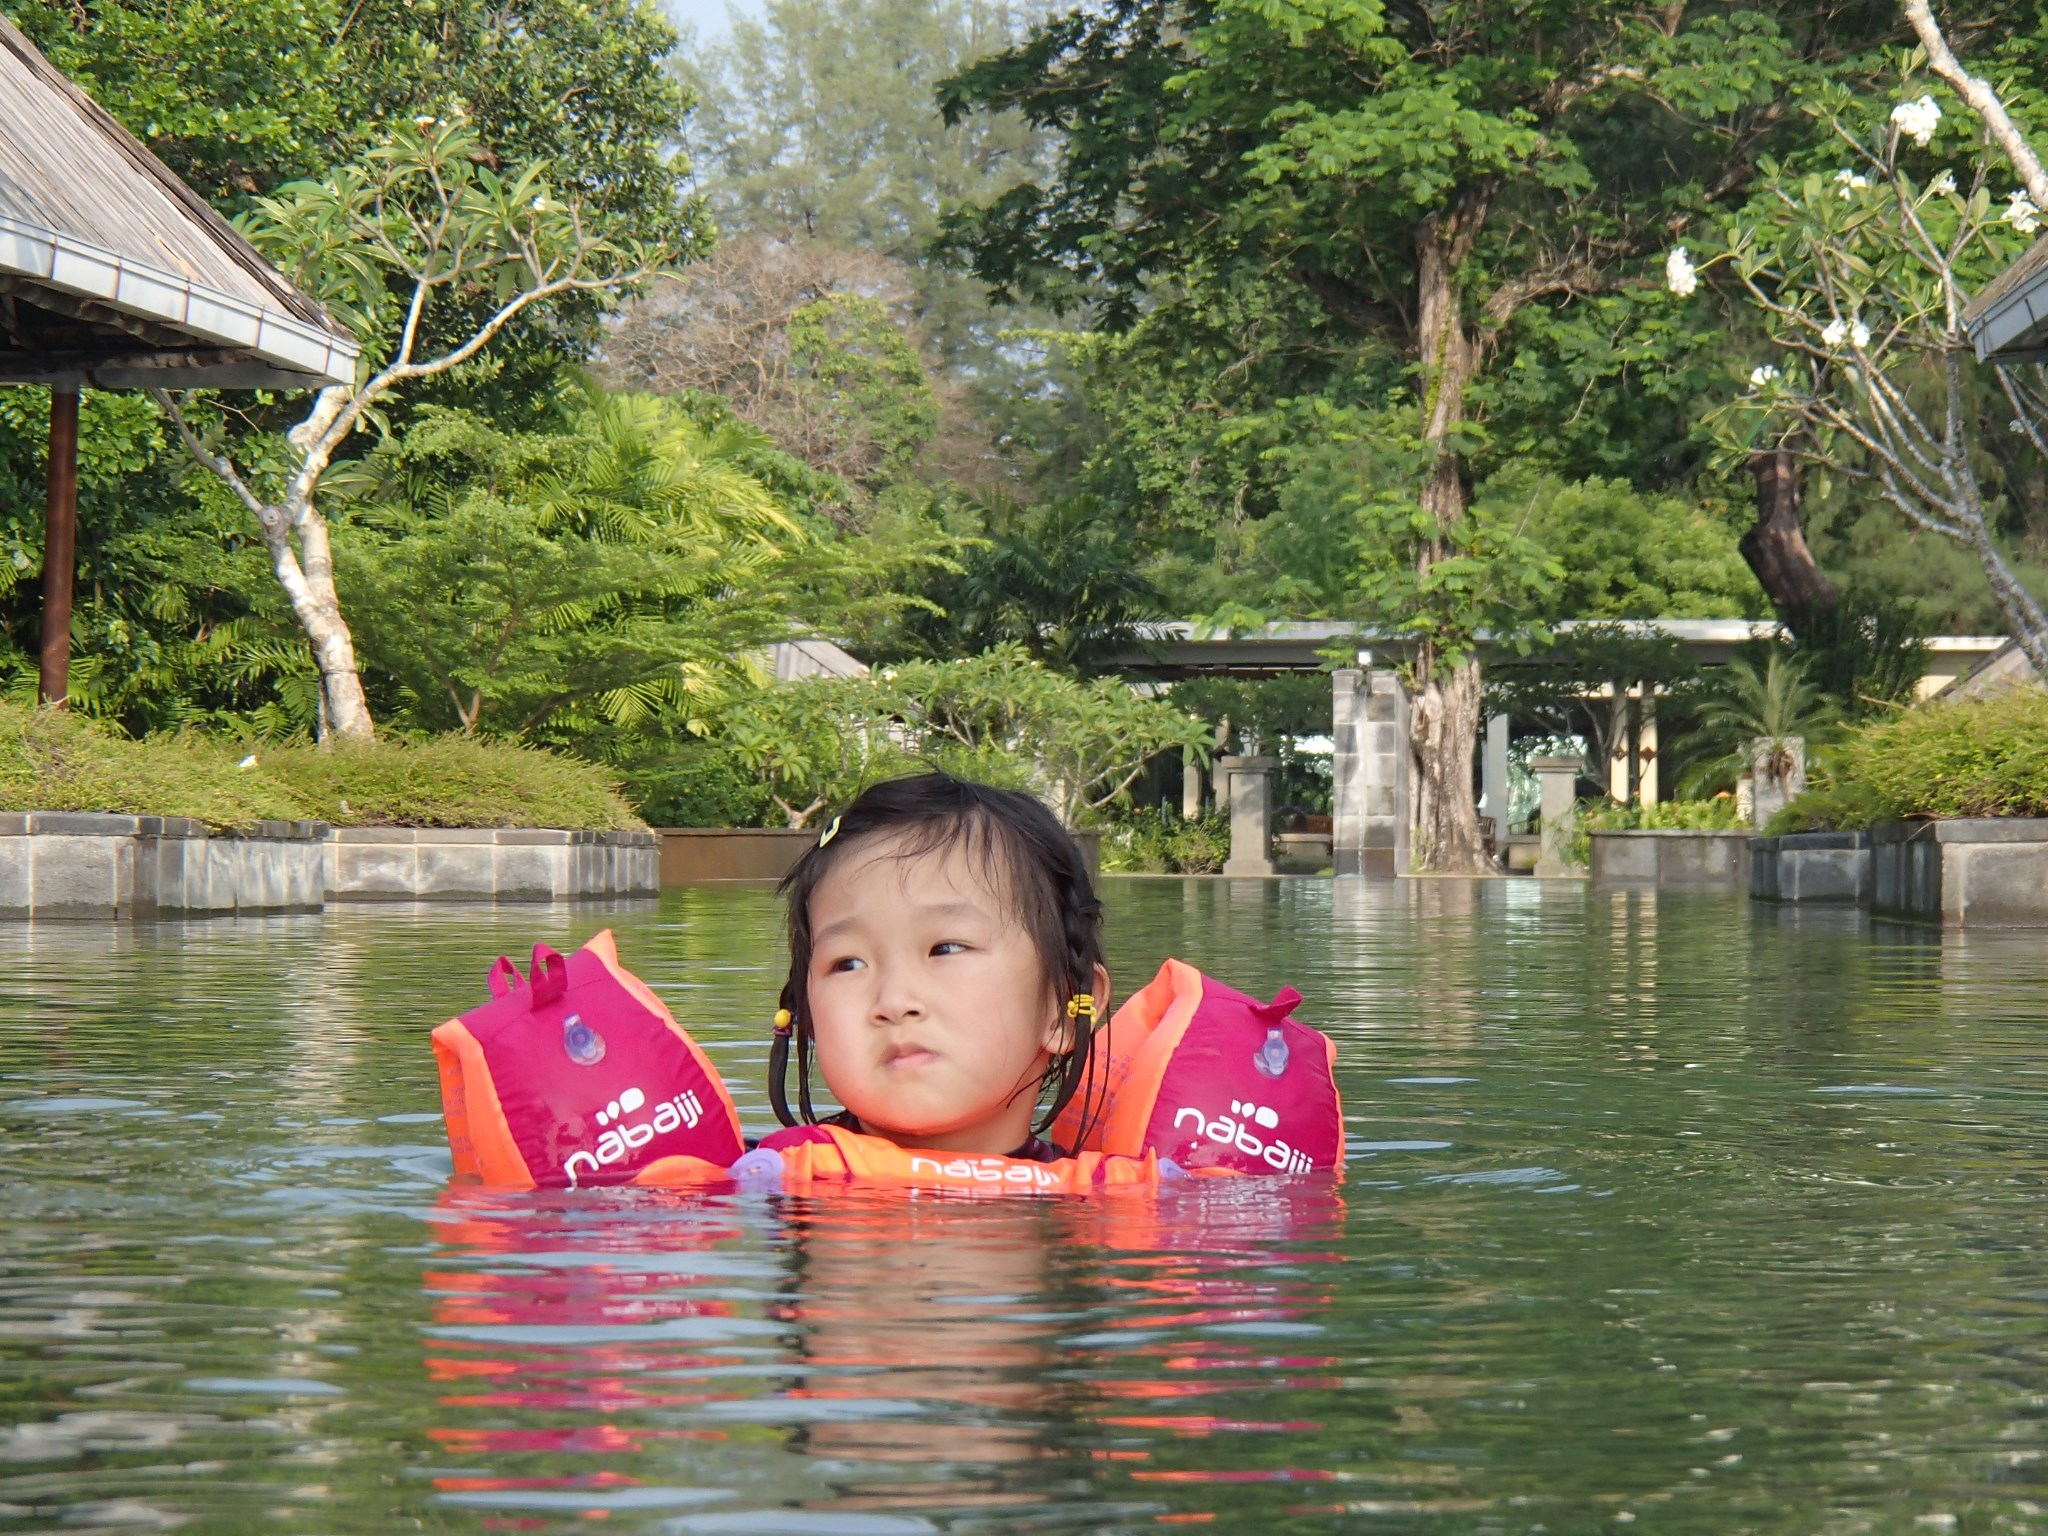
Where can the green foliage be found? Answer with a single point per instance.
(866, 380)
(1626, 554)
(698, 784)
(423, 224)
(818, 118)
(1867, 654)
(239, 99)
(609, 574)
(1847, 807)
(52, 760)
(446, 781)
(1985, 757)
(1749, 718)
(1057, 580)
(1000, 717)
(1717, 814)
(1151, 841)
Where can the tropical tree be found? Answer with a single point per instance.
(1860, 259)
(1759, 721)
(1001, 717)
(610, 576)
(816, 345)
(818, 121)
(420, 225)
(1418, 191)
(1058, 580)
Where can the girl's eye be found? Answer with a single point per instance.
(844, 963)
(949, 947)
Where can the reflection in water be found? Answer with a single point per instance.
(924, 1354)
(1658, 1206)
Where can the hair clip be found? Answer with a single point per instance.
(830, 832)
(783, 1020)
(1081, 1005)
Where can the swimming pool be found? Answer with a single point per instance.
(1664, 1213)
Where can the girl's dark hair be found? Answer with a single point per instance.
(1023, 850)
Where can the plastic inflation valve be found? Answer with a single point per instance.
(1271, 1058)
(586, 1046)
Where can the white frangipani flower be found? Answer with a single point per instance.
(424, 121)
(1850, 181)
(1836, 333)
(1761, 375)
(1859, 335)
(2021, 213)
(1679, 274)
(1917, 119)
(1943, 185)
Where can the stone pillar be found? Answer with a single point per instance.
(1251, 814)
(1369, 772)
(1618, 787)
(1772, 792)
(1347, 770)
(1558, 778)
(1190, 788)
(1493, 777)
(1649, 785)
(1387, 810)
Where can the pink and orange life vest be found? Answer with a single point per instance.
(581, 1077)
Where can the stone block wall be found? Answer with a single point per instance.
(1369, 769)
(1811, 867)
(1979, 873)
(1670, 858)
(103, 867)
(64, 864)
(489, 864)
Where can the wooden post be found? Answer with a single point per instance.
(60, 546)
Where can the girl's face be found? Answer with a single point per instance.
(928, 1003)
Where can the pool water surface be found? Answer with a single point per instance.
(1663, 1213)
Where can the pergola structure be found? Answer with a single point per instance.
(116, 275)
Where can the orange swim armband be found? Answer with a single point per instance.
(578, 1076)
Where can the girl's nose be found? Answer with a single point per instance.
(896, 1003)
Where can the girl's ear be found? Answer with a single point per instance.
(1059, 1035)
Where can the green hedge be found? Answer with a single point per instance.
(1590, 816)
(51, 760)
(1154, 842)
(1976, 757)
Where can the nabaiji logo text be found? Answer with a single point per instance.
(1235, 1130)
(679, 1113)
(985, 1170)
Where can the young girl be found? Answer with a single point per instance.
(945, 971)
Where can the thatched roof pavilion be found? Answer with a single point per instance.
(116, 275)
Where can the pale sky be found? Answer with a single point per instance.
(707, 17)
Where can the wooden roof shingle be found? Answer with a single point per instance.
(114, 272)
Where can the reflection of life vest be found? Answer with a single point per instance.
(583, 1078)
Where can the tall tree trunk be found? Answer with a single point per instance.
(310, 586)
(1443, 717)
(1776, 546)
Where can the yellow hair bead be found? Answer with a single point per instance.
(782, 1018)
(1081, 1005)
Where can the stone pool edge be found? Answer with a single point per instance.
(95, 866)
(1969, 872)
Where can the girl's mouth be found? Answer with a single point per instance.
(907, 1055)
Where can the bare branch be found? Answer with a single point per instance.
(1982, 99)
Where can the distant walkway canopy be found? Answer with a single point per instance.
(1306, 646)
(116, 275)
